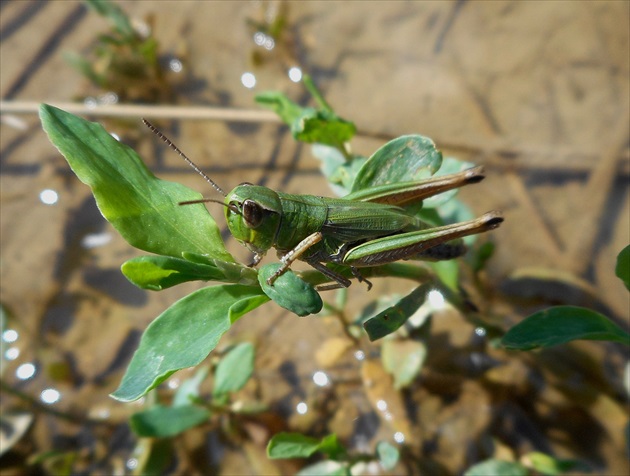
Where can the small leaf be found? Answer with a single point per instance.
(184, 335)
(622, 270)
(404, 159)
(495, 467)
(288, 111)
(160, 421)
(289, 291)
(325, 468)
(561, 324)
(234, 370)
(144, 209)
(389, 320)
(189, 388)
(387, 454)
(331, 447)
(546, 464)
(403, 359)
(292, 445)
(161, 272)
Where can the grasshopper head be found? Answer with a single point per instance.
(253, 215)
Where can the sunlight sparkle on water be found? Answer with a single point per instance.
(25, 371)
(399, 437)
(359, 355)
(301, 408)
(50, 395)
(48, 196)
(175, 65)
(12, 353)
(248, 80)
(436, 299)
(295, 74)
(10, 335)
(320, 378)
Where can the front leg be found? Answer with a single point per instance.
(295, 253)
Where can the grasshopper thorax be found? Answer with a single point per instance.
(253, 215)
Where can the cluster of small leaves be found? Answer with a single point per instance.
(124, 61)
(339, 463)
(188, 407)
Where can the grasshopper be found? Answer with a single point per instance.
(366, 228)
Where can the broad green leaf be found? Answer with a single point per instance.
(622, 270)
(389, 320)
(184, 334)
(292, 445)
(388, 455)
(234, 370)
(161, 272)
(144, 209)
(325, 468)
(546, 464)
(289, 291)
(404, 159)
(495, 467)
(403, 359)
(561, 324)
(160, 421)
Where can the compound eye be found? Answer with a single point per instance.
(253, 213)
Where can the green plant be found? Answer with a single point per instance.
(187, 246)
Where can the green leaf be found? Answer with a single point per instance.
(495, 467)
(288, 111)
(289, 291)
(561, 324)
(389, 320)
(325, 468)
(388, 455)
(404, 159)
(189, 388)
(308, 124)
(234, 370)
(184, 334)
(330, 446)
(335, 166)
(144, 209)
(622, 270)
(161, 272)
(292, 445)
(546, 464)
(160, 421)
(403, 359)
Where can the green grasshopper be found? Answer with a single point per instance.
(365, 228)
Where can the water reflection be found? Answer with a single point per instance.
(50, 396)
(248, 80)
(295, 74)
(48, 196)
(10, 336)
(301, 408)
(320, 378)
(25, 371)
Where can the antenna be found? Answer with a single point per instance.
(184, 156)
